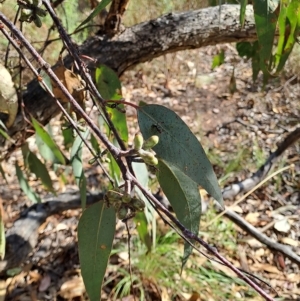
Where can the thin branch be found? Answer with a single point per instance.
(191, 236)
(233, 190)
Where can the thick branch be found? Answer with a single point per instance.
(143, 42)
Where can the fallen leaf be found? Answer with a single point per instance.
(72, 288)
(282, 225)
(252, 218)
(45, 283)
(290, 241)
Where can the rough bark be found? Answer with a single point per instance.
(141, 43)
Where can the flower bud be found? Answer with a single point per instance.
(137, 204)
(126, 198)
(122, 212)
(150, 142)
(138, 141)
(150, 159)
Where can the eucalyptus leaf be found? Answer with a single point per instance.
(26, 187)
(178, 146)
(77, 165)
(37, 167)
(95, 12)
(40, 131)
(265, 15)
(96, 230)
(183, 194)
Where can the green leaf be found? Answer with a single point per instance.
(96, 230)
(265, 14)
(218, 59)
(95, 144)
(183, 194)
(95, 12)
(289, 25)
(245, 49)
(2, 236)
(25, 186)
(40, 131)
(142, 219)
(109, 86)
(77, 165)
(178, 146)
(39, 169)
(108, 83)
(142, 229)
(45, 150)
(243, 11)
(68, 137)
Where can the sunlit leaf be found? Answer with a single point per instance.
(142, 229)
(108, 83)
(142, 219)
(25, 186)
(243, 11)
(96, 230)
(95, 12)
(45, 150)
(183, 194)
(178, 146)
(48, 141)
(218, 59)
(289, 27)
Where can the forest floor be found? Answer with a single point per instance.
(238, 132)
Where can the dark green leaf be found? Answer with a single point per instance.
(218, 59)
(95, 12)
(265, 14)
(245, 49)
(96, 230)
(109, 86)
(183, 194)
(48, 141)
(68, 137)
(39, 169)
(26, 187)
(178, 146)
(243, 11)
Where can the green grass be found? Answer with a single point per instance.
(161, 267)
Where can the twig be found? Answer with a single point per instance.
(191, 236)
(231, 191)
(57, 81)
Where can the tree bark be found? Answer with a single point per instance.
(140, 43)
